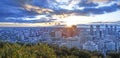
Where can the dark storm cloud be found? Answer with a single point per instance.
(101, 10)
(12, 8)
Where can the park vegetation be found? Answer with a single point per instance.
(18, 50)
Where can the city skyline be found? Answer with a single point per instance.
(68, 28)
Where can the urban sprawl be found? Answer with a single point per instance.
(103, 38)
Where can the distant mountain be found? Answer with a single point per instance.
(111, 23)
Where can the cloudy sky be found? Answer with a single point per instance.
(69, 11)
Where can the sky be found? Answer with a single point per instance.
(67, 11)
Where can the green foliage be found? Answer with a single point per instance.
(23, 51)
(114, 55)
(15, 50)
(64, 52)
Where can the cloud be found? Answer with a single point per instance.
(63, 4)
(38, 18)
(107, 17)
(37, 9)
(47, 10)
(99, 1)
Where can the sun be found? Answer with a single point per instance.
(70, 24)
(70, 21)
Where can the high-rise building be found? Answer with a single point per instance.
(91, 30)
(106, 29)
(98, 31)
(111, 30)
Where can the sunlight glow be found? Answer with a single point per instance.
(75, 20)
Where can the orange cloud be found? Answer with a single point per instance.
(37, 9)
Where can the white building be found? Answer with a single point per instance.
(58, 34)
(89, 45)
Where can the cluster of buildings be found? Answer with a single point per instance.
(103, 38)
(88, 37)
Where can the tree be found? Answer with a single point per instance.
(114, 55)
(24, 51)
